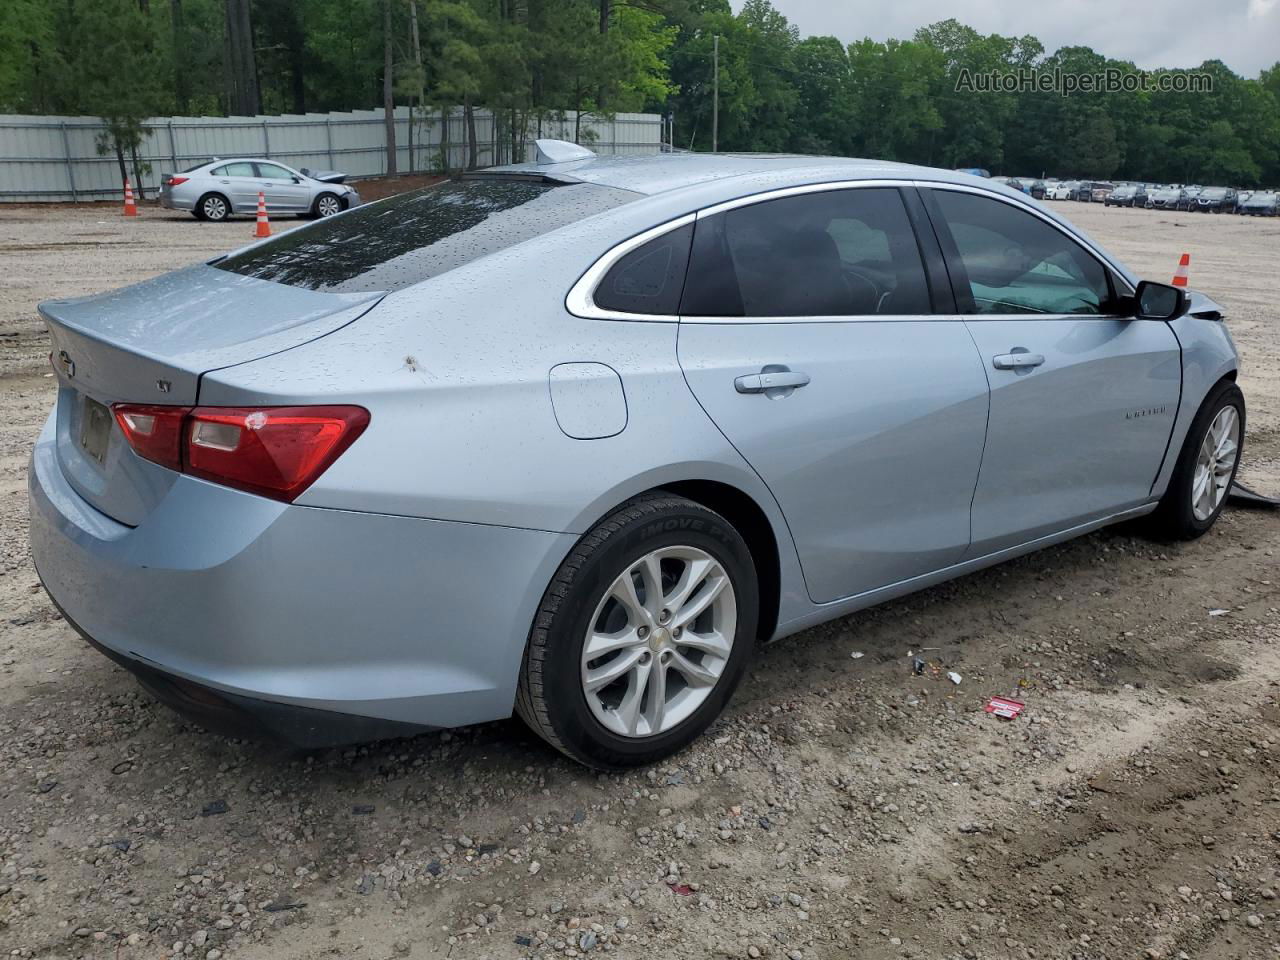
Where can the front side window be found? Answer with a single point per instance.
(414, 236)
(273, 171)
(1015, 262)
(837, 253)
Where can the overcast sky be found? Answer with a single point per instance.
(1243, 34)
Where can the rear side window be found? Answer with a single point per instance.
(839, 253)
(1017, 263)
(650, 278)
(241, 169)
(414, 236)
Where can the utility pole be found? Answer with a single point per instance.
(388, 87)
(418, 95)
(715, 101)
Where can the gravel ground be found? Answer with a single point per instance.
(842, 807)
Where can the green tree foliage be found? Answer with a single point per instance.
(531, 60)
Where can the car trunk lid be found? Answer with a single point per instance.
(150, 343)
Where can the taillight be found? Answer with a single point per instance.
(274, 451)
(154, 432)
(175, 181)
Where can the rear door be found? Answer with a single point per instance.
(283, 193)
(239, 180)
(1082, 400)
(809, 334)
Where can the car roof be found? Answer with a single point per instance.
(660, 173)
(677, 183)
(218, 161)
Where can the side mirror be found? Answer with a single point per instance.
(297, 179)
(1159, 301)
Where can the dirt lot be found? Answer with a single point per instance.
(842, 808)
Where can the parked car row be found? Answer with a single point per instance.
(1085, 191)
(1264, 203)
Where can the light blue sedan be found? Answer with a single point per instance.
(572, 438)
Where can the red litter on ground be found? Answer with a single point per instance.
(1004, 707)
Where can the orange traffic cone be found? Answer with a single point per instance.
(264, 226)
(130, 208)
(1180, 277)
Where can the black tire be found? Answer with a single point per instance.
(327, 200)
(550, 697)
(213, 207)
(1174, 518)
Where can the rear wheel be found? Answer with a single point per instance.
(213, 206)
(1205, 469)
(642, 636)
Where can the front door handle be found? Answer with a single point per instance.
(1017, 361)
(770, 379)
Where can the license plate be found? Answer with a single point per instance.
(95, 429)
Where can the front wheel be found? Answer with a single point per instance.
(1205, 469)
(642, 636)
(326, 205)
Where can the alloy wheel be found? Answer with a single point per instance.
(215, 208)
(327, 206)
(659, 641)
(1215, 463)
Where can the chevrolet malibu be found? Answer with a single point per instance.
(572, 438)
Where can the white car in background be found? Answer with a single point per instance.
(1061, 190)
(217, 188)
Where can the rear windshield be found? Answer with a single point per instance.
(422, 234)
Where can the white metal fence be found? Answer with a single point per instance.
(57, 158)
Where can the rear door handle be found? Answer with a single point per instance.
(1017, 361)
(768, 379)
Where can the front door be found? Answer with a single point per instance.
(283, 193)
(808, 334)
(1082, 401)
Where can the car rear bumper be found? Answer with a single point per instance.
(318, 626)
(175, 202)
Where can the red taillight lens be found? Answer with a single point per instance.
(154, 432)
(174, 181)
(274, 451)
